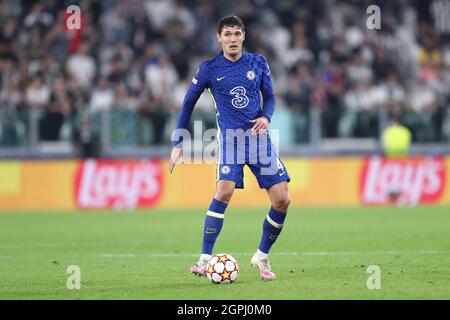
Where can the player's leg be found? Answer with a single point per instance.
(272, 226)
(272, 176)
(213, 223)
(215, 215)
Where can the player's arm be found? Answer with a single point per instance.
(199, 83)
(261, 124)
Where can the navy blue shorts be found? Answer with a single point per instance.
(257, 152)
(235, 172)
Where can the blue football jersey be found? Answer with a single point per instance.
(241, 91)
(236, 89)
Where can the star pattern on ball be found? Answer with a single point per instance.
(226, 275)
(222, 268)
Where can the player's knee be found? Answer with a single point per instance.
(224, 195)
(281, 204)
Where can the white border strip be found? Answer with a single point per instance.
(215, 214)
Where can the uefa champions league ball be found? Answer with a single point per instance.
(222, 268)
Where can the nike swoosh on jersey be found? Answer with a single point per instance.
(282, 173)
(218, 79)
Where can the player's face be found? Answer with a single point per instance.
(231, 39)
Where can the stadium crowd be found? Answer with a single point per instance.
(138, 57)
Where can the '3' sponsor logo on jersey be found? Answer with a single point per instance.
(240, 100)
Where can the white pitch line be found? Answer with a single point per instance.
(294, 253)
(319, 253)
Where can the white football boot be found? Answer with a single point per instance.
(199, 269)
(261, 262)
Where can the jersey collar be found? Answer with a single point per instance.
(241, 59)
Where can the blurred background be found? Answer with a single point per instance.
(114, 87)
(86, 117)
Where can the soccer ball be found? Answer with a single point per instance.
(222, 268)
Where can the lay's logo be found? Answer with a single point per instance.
(116, 184)
(403, 181)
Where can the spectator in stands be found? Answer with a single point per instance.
(57, 40)
(321, 55)
(124, 98)
(82, 67)
(161, 77)
(358, 70)
(381, 64)
(8, 39)
(102, 98)
(55, 112)
(37, 94)
(329, 95)
(10, 95)
(420, 102)
(154, 112)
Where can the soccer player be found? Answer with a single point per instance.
(236, 81)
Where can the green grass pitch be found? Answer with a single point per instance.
(323, 253)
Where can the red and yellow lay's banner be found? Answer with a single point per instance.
(140, 183)
(108, 184)
(403, 181)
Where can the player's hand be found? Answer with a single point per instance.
(260, 125)
(175, 156)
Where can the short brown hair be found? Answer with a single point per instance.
(230, 21)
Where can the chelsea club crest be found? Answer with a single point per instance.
(226, 170)
(250, 75)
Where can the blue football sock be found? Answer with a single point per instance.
(271, 229)
(213, 225)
